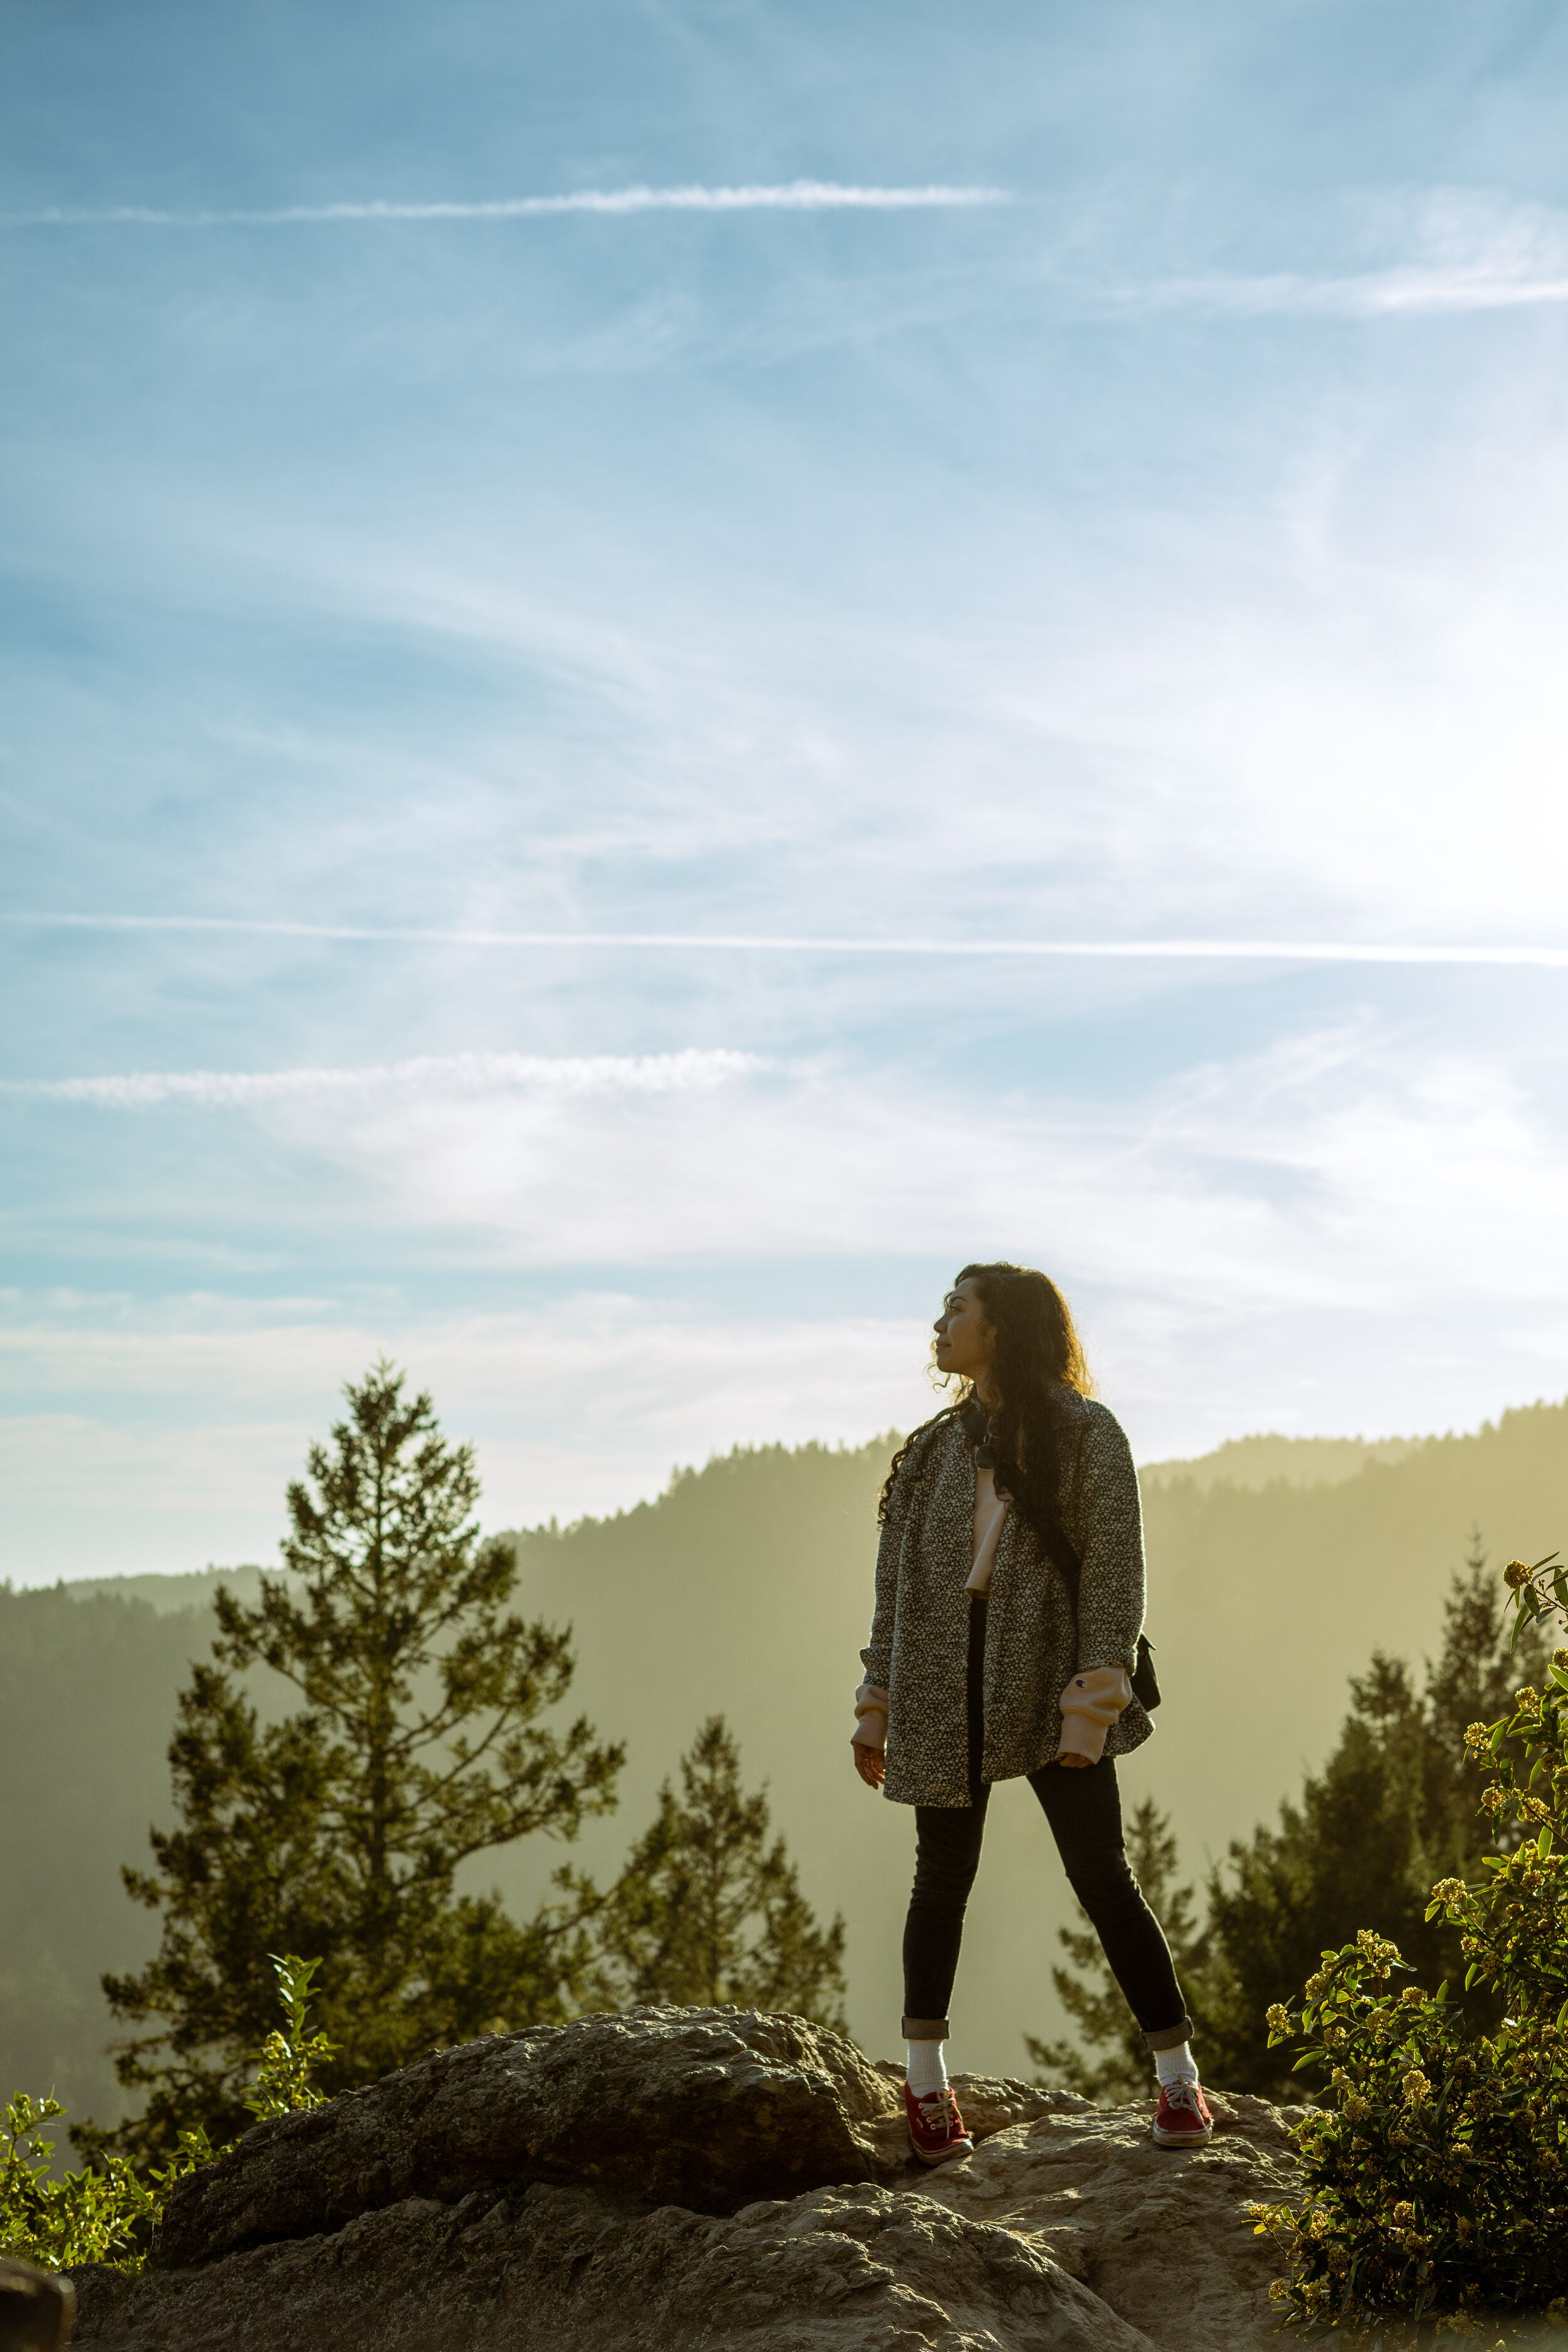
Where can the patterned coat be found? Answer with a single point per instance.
(918, 1648)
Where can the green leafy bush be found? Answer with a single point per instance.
(107, 2214)
(1438, 2166)
(85, 2217)
(283, 2067)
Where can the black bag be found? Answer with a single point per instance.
(1145, 1681)
(1044, 1516)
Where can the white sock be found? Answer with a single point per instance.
(1177, 2066)
(928, 2068)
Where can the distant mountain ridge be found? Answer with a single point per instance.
(1254, 1462)
(167, 1594)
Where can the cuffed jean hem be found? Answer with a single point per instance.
(1171, 2037)
(924, 2028)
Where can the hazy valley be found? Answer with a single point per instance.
(1276, 1566)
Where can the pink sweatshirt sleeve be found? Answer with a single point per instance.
(1090, 1705)
(871, 1718)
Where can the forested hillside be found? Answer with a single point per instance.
(745, 1590)
(1263, 1600)
(86, 1699)
(1299, 1461)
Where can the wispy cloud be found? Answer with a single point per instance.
(1241, 1217)
(1277, 951)
(1463, 249)
(790, 196)
(693, 1072)
(1368, 294)
(578, 1411)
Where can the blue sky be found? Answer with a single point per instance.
(1106, 484)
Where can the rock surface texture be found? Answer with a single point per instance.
(696, 2180)
(693, 2107)
(1162, 2235)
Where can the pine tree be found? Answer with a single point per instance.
(335, 1833)
(1093, 1999)
(1393, 1809)
(707, 1911)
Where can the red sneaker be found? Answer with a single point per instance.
(936, 2127)
(1184, 2120)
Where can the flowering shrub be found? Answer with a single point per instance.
(1438, 2166)
(108, 2215)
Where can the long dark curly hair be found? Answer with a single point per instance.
(1039, 1355)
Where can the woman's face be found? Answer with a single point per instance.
(965, 1341)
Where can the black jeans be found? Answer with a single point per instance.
(1084, 1810)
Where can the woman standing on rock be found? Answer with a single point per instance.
(1009, 1603)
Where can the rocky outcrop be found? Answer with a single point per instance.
(563, 2270)
(703, 2182)
(707, 2108)
(1163, 2236)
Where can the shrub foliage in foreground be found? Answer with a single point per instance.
(1436, 2170)
(108, 2213)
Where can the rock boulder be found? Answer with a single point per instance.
(705, 2108)
(704, 2180)
(1162, 2235)
(563, 2270)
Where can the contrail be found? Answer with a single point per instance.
(791, 197)
(783, 944)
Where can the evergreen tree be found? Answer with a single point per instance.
(336, 1832)
(708, 1911)
(1093, 1999)
(1393, 1809)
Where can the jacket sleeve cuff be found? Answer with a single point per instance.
(871, 1717)
(1090, 1705)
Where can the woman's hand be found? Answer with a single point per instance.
(1074, 1763)
(871, 1763)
